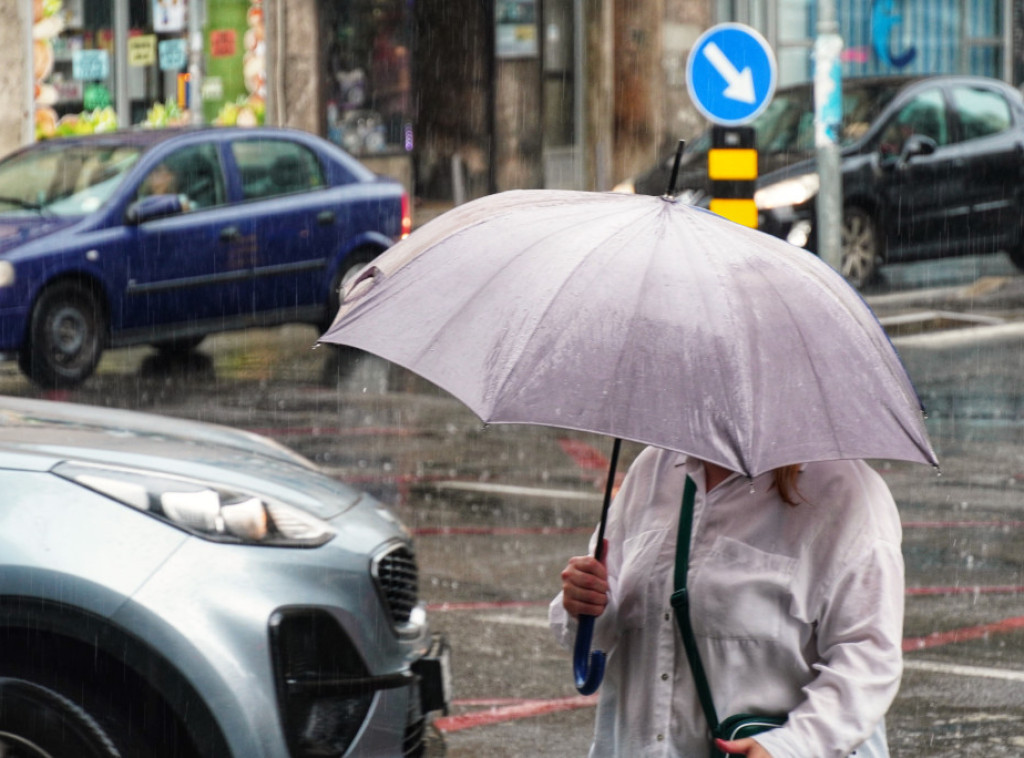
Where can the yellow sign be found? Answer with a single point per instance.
(741, 211)
(142, 50)
(732, 164)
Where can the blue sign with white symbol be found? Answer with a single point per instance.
(731, 74)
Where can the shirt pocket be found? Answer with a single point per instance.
(641, 585)
(740, 592)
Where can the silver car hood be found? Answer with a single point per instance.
(38, 434)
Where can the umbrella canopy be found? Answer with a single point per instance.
(640, 318)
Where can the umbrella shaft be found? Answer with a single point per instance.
(608, 491)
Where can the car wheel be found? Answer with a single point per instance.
(36, 722)
(343, 359)
(860, 247)
(352, 265)
(179, 345)
(65, 337)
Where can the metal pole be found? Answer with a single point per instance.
(123, 104)
(827, 119)
(28, 100)
(196, 19)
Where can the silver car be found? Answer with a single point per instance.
(170, 588)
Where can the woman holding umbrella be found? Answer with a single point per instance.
(649, 320)
(795, 582)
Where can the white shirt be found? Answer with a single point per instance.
(796, 610)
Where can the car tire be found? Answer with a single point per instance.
(37, 722)
(65, 337)
(352, 265)
(860, 247)
(343, 359)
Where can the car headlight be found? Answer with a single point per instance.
(793, 191)
(6, 273)
(205, 509)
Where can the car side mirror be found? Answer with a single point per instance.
(915, 146)
(153, 207)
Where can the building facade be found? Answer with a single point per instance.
(457, 98)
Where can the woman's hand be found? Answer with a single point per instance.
(585, 586)
(748, 747)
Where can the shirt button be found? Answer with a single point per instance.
(664, 677)
(667, 616)
(661, 738)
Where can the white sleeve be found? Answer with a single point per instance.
(860, 660)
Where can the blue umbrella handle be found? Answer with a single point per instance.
(587, 666)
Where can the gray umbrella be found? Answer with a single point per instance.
(644, 319)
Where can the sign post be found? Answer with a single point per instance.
(731, 75)
(828, 114)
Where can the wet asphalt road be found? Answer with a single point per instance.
(497, 510)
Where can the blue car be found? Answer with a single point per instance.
(164, 236)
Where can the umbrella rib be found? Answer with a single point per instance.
(582, 259)
(737, 445)
(811, 358)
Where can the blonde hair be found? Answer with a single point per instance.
(784, 480)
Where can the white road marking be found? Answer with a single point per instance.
(537, 622)
(511, 489)
(934, 667)
(956, 337)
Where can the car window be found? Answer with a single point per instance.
(861, 106)
(193, 173)
(787, 124)
(63, 179)
(783, 126)
(924, 115)
(981, 112)
(269, 168)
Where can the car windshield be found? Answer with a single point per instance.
(787, 124)
(63, 180)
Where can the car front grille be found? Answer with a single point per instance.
(397, 578)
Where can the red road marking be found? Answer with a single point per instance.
(521, 710)
(434, 531)
(499, 710)
(491, 605)
(587, 457)
(937, 639)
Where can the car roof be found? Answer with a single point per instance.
(147, 137)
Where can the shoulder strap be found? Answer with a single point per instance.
(681, 604)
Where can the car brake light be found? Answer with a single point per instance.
(406, 216)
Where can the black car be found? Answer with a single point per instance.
(931, 168)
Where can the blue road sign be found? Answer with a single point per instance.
(731, 74)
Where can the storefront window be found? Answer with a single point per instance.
(368, 62)
(235, 84)
(78, 77)
(157, 52)
(73, 66)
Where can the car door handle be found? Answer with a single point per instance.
(325, 218)
(230, 234)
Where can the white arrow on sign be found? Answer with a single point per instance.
(740, 84)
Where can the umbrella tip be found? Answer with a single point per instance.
(670, 191)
